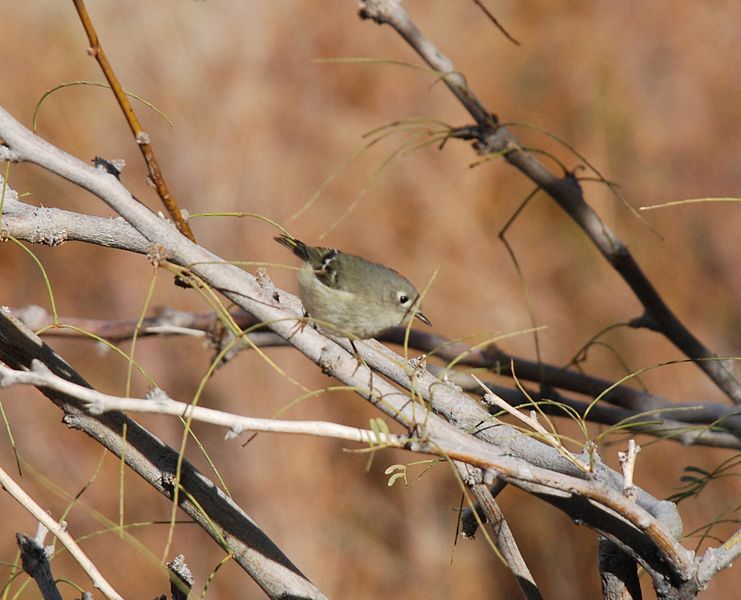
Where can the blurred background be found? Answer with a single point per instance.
(648, 92)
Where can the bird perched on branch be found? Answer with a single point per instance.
(350, 296)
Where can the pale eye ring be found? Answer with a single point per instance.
(402, 298)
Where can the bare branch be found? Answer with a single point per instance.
(719, 558)
(618, 573)
(181, 579)
(157, 463)
(492, 138)
(594, 501)
(59, 532)
(501, 534)
(142, 138)
(627, 464)
(54, 226)
(97, 403)
(36, 564)
(620, 519)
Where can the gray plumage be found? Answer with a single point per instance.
(351, 296)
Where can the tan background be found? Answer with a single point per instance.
(649, 92)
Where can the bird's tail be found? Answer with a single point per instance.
(296, 246)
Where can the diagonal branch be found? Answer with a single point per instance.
(719, 558)
(156, 463)
(624, 520)
(501, 534)
(59, 531)
(141, 136)
(491, 138)
(53, 226)
(648, 533)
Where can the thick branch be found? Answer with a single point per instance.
(157, 463)
(54, 226)
(658, 550)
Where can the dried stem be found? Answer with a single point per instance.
(141, 136)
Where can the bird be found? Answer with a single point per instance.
(349, 296)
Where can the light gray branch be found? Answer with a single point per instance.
(718, 558)
(519, 460)
(97, 403)
(157, 464)
(501, 534)
(54, 226)
(60, 533)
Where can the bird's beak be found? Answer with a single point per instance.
(422, 318)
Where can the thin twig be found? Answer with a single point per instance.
(59, 531)
(97, 403)
(496, 22)
(141, 137)
(627, 464)
(494, 139)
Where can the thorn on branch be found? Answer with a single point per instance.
(113, 167)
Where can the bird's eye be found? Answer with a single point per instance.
(402, 297)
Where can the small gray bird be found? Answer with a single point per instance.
(350, 296)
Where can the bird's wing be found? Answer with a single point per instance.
(325, 266)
